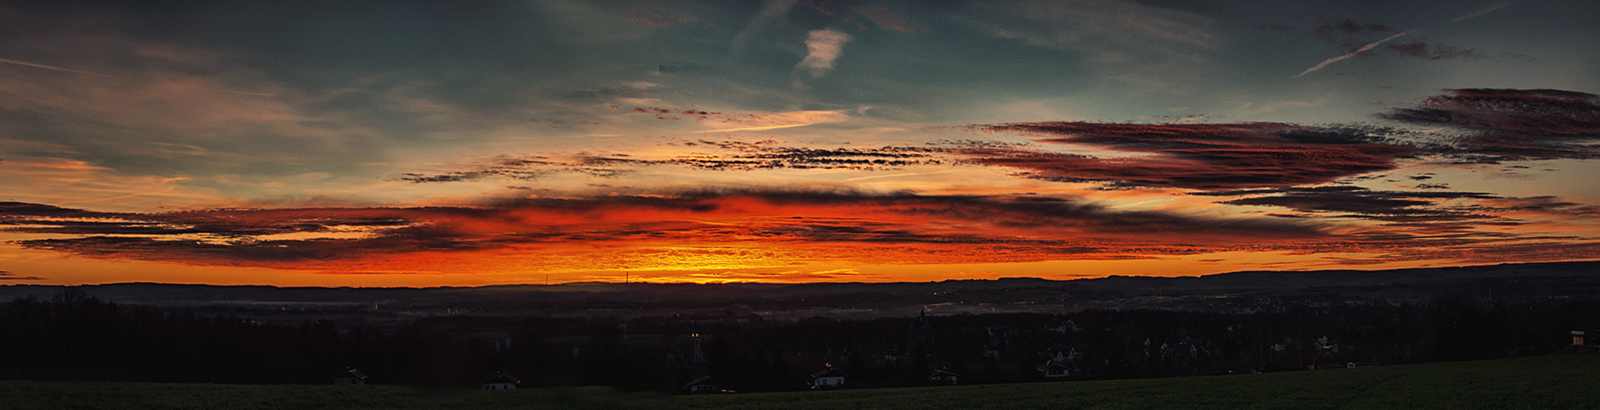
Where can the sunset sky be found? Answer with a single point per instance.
(389, 143)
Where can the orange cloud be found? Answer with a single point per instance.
(702, 233)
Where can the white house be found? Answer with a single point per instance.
(1054, 369)
(828, 378)
(942, 376)
(703, 385)
(350, 377)
(501, 381)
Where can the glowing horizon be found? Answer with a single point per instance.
(463, 145)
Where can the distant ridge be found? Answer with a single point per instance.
(1221, 281)
(1349, 277)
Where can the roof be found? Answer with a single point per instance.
(828, 372)
(701, 380)
(1051, 365)
(502, 378)
(352, 373)
(942, 372)
(1577, 333)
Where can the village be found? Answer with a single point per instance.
(1061, 362)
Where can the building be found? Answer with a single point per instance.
(942, 376)
(1054, 369)
(703, 385)
(501, 381)
(827, 378)
(1577, 337)
(695, 354)
(350, 377)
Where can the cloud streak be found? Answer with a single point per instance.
(1486, 10)
(716, 230)
(9, 275)
(884, 18)
(50, 67)
(1359, 202)
(900, 227)
(1425, 51)
(1195, 156)
(1358, 51)
(1491, 125)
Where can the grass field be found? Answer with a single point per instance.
(1545, 382)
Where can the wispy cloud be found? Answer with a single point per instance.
(164, 115)
(78, 183)
(176, 84)
(1328, 31)
(1342, 34)
(1490, 125)
(884, 18)
(783, 120)
(656, 18)
(9, 275)
(1278, 105)
(701, 154)
(823, 47)
(1425, 51)
(1154, 48)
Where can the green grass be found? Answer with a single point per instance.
(1546, 382)
(179, 396)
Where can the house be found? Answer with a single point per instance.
(942, 376)
(501, 381)
(703, 385)
(827, 378)
(350, 377)
(1577, 337)
(1054, 369)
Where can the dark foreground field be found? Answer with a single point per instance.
(1545, 382)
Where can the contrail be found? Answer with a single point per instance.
(1482, 12)
(1351, 54)
(1375, 44)
(49, 67)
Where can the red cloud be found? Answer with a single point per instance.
(1195, 156)
(1503, 124)
(721, 231)
(775, 226)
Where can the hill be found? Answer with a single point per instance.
(393, 307)
(1544, 382)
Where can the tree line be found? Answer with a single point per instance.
(72, 336)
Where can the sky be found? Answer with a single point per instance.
(383, 143)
